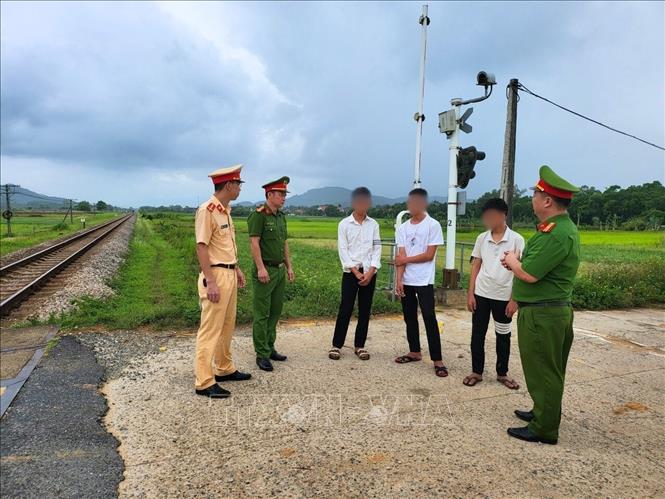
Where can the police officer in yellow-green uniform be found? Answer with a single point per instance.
(542, 287)
(218, 284)
(272, 268)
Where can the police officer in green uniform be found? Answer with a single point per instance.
(542, 287)
(272, 267)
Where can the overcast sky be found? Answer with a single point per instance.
(135, 103)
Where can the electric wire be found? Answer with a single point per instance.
(521, 87)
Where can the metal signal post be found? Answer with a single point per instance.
(450, 123)
(419, 116)
(451, 224)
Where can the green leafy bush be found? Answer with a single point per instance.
(618, 285)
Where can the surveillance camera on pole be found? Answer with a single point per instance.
(461, 166)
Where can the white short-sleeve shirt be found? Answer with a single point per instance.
(415, 238)
(494, 281)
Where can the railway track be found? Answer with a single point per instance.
(20, 279)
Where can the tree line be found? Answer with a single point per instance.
(88, 206)
(638, 207)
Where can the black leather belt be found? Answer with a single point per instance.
(273, 264)
(544, 304)
(225, 265)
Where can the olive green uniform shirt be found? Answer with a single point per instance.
(552, 257)
(271, 229)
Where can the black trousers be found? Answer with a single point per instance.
(423, 295)
(351, 289)
(480, 321)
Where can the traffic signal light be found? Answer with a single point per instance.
(466, 160)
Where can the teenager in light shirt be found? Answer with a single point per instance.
(359, 247)
(490, 288)
(417, 241)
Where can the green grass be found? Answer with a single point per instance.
(30, 229)
(156, 286)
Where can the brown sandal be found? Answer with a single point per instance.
(441, 371)
(472, 380)
(508, 382)
(334, 354)
(362, 354)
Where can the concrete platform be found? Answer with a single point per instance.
(317, 427)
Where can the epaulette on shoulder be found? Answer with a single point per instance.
(260, 209)
(546, 227)
(210, 207)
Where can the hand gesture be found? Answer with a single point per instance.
(471, 302)
(290, 274)
(263, 275)
(511, 308)
(365, 278)
(212, 291)
(509, 259)
(400, 260)
(242, 282)
(399, 289)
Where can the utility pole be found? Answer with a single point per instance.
(7, 214)
(71, 213)
(508, 164)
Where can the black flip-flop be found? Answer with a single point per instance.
(405, 359)
(441, 371)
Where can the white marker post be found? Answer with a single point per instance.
(451, 226)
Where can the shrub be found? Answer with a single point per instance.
(618, 285)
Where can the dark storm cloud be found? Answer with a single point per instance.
(325, 92)
(143, 93)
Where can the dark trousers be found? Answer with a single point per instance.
(351, 289)
(480, 321)
(423, 295)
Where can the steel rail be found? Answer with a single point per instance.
(39, 254)
(12, 301)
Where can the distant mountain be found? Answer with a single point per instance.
(341, 196)
(23, 198)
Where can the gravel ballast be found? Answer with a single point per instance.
(88, 276)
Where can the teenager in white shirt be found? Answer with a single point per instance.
(417, 240)
(359, 247)
(490, 289)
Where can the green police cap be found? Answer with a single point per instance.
(277, 185)
(553, 184)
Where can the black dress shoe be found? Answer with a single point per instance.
(235, 376)
(277, 356)
(215, 392)
(524, 415)
(527, 435)
(264, 364)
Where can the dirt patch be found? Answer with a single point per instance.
(630, 406)
(351, 428)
